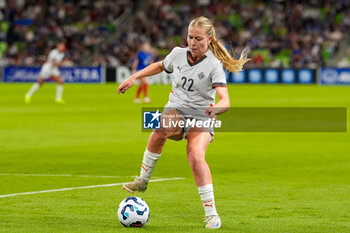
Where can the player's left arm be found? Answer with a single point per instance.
(222, 105)
(64, 61)
(56, 63)
(135, 64)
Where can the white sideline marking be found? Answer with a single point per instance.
(83, 187)
(65, 175)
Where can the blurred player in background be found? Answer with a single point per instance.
(198, 77)
(143, 59)
(50, 70)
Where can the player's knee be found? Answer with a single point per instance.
(59, 80)
(160, 134)
(143, 82)
(195, 155)
(164, 133)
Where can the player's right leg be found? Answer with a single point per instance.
(151, 155)
(137, 99)
(143, 87)
(146, 99)
(44, 74)
(153, 151)
(59, 88)
(33, 89)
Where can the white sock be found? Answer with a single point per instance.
(59, 91)
(33, 89)
(206, 193)
(148, 163)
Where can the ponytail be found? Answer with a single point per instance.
(230, 64)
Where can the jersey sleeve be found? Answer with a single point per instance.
(169, 60)
(52, 55)
(218, 77)
(139, 56)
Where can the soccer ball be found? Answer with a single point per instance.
(133, 212)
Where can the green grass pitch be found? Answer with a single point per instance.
(264, 182)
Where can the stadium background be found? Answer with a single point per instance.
(264, 182)
(279, 34)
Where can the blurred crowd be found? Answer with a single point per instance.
(278, 33)
(31, 28)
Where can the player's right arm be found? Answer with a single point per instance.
(54, 62)
(52, 58)
(135, 64)
(150, 70)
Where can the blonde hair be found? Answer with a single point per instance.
(219, 51)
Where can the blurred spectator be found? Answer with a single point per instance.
(36, 25)
(278, 33)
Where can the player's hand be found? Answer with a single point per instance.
(126, 84)
(211, 112)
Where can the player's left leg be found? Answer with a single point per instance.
(139, 90)
(197, 143)
(59, 89)
(33, 89)
(146, 99)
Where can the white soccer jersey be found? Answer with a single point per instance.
(193, 84)
(48, 70)
(55, 55)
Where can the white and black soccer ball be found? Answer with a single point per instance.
(133, 212)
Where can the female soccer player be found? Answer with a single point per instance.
(142, 60)
(50, 70)
(198, 75)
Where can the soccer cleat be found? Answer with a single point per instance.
(27, 99)
(147, 100)
(213, 222)
(139, 185)
(137, 101)
(60, 101)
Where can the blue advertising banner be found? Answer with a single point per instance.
(288, 76)
(305, 76)
(334, 76)
(271, 76)
(255, 76)
(69, 74)
(239, 77)
(275, 76)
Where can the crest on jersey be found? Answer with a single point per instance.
(201, 75)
